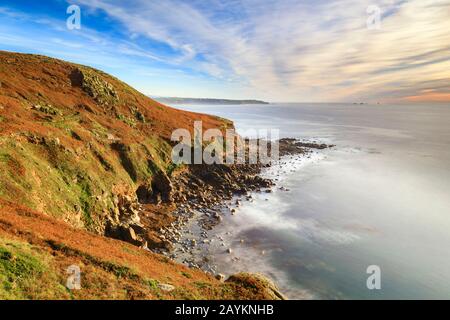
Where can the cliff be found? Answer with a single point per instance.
(85, 158)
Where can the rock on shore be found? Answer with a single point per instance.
(260, 282)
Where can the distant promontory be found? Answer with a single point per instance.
(176, 100)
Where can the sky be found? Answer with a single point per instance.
(274, 50)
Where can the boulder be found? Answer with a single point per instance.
(129, 235)
(124, 233)
(220, 277)
(162, 185)
(265, 286)
(166, 287)
(144, 193)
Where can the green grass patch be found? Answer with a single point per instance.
(25, 274)
(202, 285)
(5, 157)
(171, 168)
(152, 284)
(66, 123)
(187, 275)
(86, 202)
(47, 109)
(99, 131)
(127, 120)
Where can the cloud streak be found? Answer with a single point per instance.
(302, 50)
(290, 50)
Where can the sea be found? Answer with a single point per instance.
(379, 200)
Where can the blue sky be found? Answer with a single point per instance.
(285, 50)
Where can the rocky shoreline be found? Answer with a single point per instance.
(88, 159)
(206, 193)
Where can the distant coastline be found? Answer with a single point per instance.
(177, 100)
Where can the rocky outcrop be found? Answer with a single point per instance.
(288, 146)
(124, 222)
(100, 90)
(161, 187)
(259, 283)
(144, 193)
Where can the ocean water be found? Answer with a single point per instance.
(380, 197)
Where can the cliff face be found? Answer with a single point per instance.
(77, 143)
(78, 149)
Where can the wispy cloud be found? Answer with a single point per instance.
(299, 49)
(289, 49)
